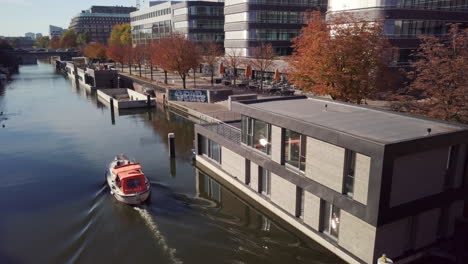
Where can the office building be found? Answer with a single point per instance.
(98, 21)
(406, 20)
(251, 22)
(30, 35)
(359, 181)
(197, 20)
(55, 32)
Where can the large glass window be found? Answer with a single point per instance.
(295, 146)
(349, 175)
(256, 134)
(210, 149)
(330, 219)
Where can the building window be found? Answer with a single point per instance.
(330, 219)
(299, 202)
(210, 149)
(349, 173)
(264, 181)
(256, 134)
(294, 147)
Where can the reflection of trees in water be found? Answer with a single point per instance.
(164, 122)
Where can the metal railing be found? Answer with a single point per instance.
(225, 130)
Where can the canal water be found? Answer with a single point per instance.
(55, 208)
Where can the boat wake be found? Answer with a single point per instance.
(160, 239)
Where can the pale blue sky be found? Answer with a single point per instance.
(20, 16)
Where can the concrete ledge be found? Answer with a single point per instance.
(280, 213)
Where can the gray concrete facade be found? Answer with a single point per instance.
(404, 184)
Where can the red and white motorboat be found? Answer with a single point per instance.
(127, 181)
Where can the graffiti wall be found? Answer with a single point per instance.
(200, 96)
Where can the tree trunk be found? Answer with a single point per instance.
(165, 77)
(122, 66)
(130, 68)
(212, 78)
(194, 80)
(151, 70)
(182, 76)
(139, 67)
(261, 81)
(235, 76)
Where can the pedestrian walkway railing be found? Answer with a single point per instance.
(225, 130)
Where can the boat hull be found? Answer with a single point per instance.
(133, 199)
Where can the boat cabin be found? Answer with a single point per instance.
(130, 178)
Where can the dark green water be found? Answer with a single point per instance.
(55, 208)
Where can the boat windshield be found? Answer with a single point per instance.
(133, 183)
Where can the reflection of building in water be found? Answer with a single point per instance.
(229, 204)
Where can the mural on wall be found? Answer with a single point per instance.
(200, 96)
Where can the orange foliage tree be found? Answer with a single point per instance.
(346, 58)
(95, 51)
(54, 43)
(115, 53)
(179, 55)
(139, 55)
(440, 81)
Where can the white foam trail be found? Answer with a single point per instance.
(157, 234)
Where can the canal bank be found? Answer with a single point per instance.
(59, 138)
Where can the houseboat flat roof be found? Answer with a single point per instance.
(364, 122)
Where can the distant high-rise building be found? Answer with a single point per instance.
(98, 21)
(55, 31)
(406, 20)
(30, 35)
(38, 35)
(197, 20)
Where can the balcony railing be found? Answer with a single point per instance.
(225, 130)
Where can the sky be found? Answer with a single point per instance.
(20, 16)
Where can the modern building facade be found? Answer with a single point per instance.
(198, 20)
(30, 35)
(406, 20)
(98, 21)
(251, 22)
(359, 181)
(55, 32)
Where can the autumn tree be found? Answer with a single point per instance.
(116, 53)
(234, 59)
(157, 48)
(83, 38)
(263, 59)
(121, 35)
(179, 55)
(120, 41)
(139, 55)
(54, 43)
(211, 54)
(439, 86)
(147, 50)
(95, 51)
(345, 57)
(42, 42)
(68, 39)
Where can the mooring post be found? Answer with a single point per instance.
(148, 100)
(171, 139)
(112, 111)
(173, 167)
